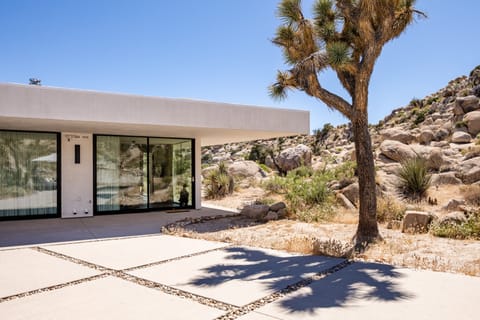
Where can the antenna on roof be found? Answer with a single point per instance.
(35, 82)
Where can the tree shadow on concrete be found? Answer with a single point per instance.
(357, 281)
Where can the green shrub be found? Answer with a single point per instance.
(417, 103)
(258, 153)
(276, 185)
(264, 167)
(414, 178)
(467, 230)
(420, 116)
(302, 171)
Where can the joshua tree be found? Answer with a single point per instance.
(346, 36)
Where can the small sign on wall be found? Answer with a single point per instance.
(77, 153)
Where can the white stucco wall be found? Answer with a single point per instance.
(77, 178)
(29, 107)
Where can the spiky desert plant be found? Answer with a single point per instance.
(414, 179)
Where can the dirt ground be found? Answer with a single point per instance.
(420, 251)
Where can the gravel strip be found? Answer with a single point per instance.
(55, 287)
(74, 260)
(172, 227)
(281, 293)
(174, 259)
(177, 292)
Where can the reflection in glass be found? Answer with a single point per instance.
(28, 174)
(170, 173)
(121, 173)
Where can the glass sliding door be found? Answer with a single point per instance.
(28, 174)
(170, 177)
(143, 173)
(121, 173)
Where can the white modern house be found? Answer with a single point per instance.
(75, 153)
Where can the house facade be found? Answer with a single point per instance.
(75, 153)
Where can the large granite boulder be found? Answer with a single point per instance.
(426, 136)
(472, 120)
(396, 150)
(255, 211)
(468, 103)
(416, 222)
(295, 157)
(246, 169)
(469, 170)
(445, 178)
(461, 137)
(398, 135)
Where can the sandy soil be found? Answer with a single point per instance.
(420, 251)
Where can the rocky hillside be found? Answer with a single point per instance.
(443, 127)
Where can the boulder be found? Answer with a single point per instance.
(398, 135)
(441, 134)
(456, 217)
(445, 178)
(246, 169)
(416, 222)
(351, 192)
(396, 150)
(278, 206)
(426, 136)
(453, 205)
(271, 215)
(461, 137)
(473, 122)
(282, 213)
(435, 159)
(469, 170)
(468, 103)
(295, 157)
(255, 211)
(344, 202)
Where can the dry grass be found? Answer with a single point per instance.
(471, 194)
(333, 239)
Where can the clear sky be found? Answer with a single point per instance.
(217, 50)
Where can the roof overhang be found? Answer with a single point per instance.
(36, 108)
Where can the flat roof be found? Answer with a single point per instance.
(30, 107)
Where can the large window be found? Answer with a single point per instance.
(28, 174)
(143, 173)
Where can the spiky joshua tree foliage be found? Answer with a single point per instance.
(346, 36)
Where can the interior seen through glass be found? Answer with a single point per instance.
(28, 174)
(140, 173)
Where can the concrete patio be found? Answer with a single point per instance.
(121, 267)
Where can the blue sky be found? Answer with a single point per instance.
(216, 50)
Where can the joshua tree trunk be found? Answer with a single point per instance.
(367, 231)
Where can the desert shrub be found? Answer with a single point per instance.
(265, 201)
(218, 182)
(389, 209)
(258, 153)
(417, 103)
(467, 230)
(332, 248)
(276, 184)
(302, 171)
(207, 158)
(414, 179)
(420, 116)
(264, 167)
(345, 171)
(471, 194)
(472, 152)
(321, 134)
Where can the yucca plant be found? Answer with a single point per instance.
(218, 182)
(414, 178)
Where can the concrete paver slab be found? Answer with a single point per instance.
(130, 252)
(105, 298)
(25, 270)
(236, 275)
(372, 291)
